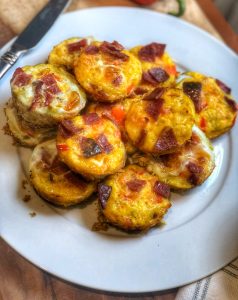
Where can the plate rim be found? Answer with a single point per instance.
(35, 49)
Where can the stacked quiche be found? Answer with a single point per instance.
(122, 123)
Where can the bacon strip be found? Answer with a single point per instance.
(231, 103)
(195, 170)
(155, 94)
(77, 46)
(226, 89)
(166, 141)
(89, 147)
(20, 78)
(155, 76)
(135, 185)
(193, 90)
(151, 52)
(103, 143)
(114, 49)
(91, 118)
(91, 49)
(67, 128)
(45, 88)
(140, 91)
(153, 108)
(37, 96)
(141, 138)
(104, 192)
(161, 189)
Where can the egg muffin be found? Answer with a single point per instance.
(117, 113)
(158, 68)
(91, 145)
(161, 122)
(53, 180)
(107, 71)
(24, 134)
(133, 199)
(67, 51)
(215, 108)
(185, 169)
(45, 94)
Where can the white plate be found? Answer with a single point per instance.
(201, 232)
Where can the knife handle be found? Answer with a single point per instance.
(8, 59)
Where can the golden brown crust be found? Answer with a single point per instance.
(133, 199)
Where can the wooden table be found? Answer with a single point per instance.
(19, 279)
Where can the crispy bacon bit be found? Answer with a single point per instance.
(37, 96)
(103, 143)
(91, 49)
(151, 52)
(166, 141)
(114, 46)
(153, 108)
(91, 118)
(20, 78)
(89, 147)
(155, 76)
(114, 49)
(161, 189)
(67, 128)
(141, 138)
(140, 91)
(76, 179)
(62, 147)
(195, 170)
(77, 46)
(155, 94)
(104, 192)
(193, 90)
(136, 185)
(45, 88)
(117, 81)
(231, 103)
(226, 89)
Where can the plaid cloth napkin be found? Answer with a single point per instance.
(222, 285)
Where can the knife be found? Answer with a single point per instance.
(33, 33)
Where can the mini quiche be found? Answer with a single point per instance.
(116, 112)
(24, 134)
(216, 110)
(53, 180)
(133, 199)
(91, 145)
(107, 71)
(45, 94)
(157, 66)
(161, 122)
(185, 169)
(66, 52)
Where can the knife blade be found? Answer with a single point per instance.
(32, 34)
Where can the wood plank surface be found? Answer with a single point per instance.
(19, 279)
(219, 22)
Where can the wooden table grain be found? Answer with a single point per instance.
(21, 280)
